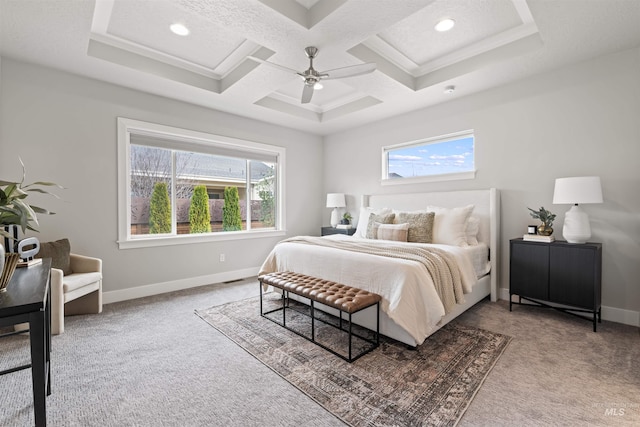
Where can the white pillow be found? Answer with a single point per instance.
(472, 230)
(363, 220)
(450, 224)
(396, 232)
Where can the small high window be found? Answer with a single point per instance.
(440, 158)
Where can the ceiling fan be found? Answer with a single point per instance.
(311, 76)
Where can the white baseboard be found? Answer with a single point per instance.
(176, 285)
(619, 315)
(612, 314)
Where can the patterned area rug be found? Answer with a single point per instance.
(391, 386)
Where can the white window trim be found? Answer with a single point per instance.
(427, 178)
(128, 126)
(431, 178)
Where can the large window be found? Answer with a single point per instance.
(440, 158)
(179, 186)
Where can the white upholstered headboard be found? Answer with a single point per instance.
(487, 208)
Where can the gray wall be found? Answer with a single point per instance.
(579, 120)
(64, 128)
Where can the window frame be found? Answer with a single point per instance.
(385, 180)
(207, 143)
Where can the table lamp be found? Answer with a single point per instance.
(575, 190)
(335, 201)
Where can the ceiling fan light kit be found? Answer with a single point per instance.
(312, 77)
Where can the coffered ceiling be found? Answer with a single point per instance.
(493, 42)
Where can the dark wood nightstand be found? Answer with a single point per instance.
(330, 230)
(559, 272)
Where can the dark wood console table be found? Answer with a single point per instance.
(27, 300)
(568, 275)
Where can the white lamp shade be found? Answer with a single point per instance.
(581, 189)
(335, 200)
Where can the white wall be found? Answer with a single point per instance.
(579, 120)
(64, 128)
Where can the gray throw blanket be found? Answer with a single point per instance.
(440, 264)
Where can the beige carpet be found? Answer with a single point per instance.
(391, 386)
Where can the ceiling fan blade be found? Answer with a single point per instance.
(271, 64)
(307, 93)
(353, 70)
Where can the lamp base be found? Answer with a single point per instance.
(335, 217)
(576, 227)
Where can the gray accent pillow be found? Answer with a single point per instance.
(420, 225)
(382, 219)
(59, 252)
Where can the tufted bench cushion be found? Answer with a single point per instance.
(336, 295)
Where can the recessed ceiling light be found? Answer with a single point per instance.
(449, 89)
(179, 29)
(445, 24)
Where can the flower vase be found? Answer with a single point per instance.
(545, 230)
(10, 262)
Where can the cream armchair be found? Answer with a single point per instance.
(76, 293)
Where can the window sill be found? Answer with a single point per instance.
(185, 239)
(431, 178)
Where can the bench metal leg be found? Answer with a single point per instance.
(313, 323)
(350, 336)
(350, 358)
(285, 296)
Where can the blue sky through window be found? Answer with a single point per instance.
(433, 158)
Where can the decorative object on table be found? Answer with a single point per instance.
(335, 201)
(532, 229)
(546, 228)
(10, 262)
(574, 190)
(27, 249)
(11, 237)
(538, 238)
(16, 213)
(346, 219)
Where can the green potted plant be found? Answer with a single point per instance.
(16, 212)
(346, 218)
(14, 209)
(546, 217)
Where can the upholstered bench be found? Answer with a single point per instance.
(346, 299)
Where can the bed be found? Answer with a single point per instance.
(413, 306)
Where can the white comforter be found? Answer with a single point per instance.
(408, 293)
